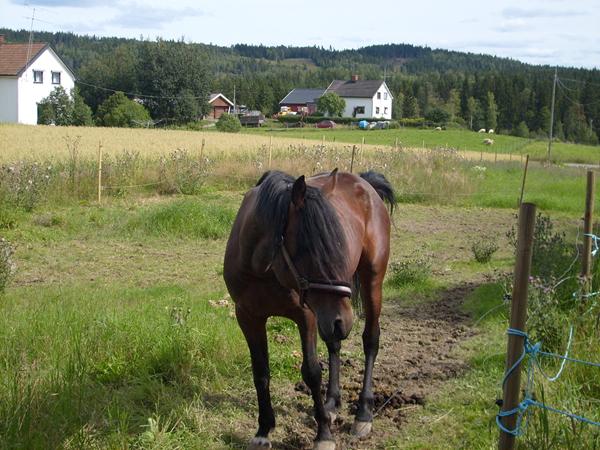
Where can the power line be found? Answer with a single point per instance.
(575, 101)
(135, 94)
(580, 81)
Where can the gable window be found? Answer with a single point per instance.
(377, 110)
(379, 96)
(385, 95)
(55, 77)
(38, 76)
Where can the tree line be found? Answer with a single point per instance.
(173, 79)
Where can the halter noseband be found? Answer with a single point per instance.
(304, 285)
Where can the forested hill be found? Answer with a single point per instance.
(471, 90)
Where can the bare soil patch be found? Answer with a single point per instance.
(417, 353)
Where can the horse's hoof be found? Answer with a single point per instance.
(361, 429)
(259, 443)
(324, 445)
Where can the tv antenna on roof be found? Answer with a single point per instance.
(30, 44)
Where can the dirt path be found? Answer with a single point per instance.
(415, 357)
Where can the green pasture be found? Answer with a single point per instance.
(116, 330)
(562, 152)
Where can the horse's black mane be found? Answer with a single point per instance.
(320, 238)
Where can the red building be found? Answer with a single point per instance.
(219, 104)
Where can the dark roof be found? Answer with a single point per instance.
(13, 57)
(360, 88)
(302, 96)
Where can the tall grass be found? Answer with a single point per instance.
(74, 356)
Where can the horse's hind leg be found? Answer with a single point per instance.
(371, 285)
(333, 400)
(255, 332)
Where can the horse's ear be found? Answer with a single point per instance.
(331, 182)
(299, 192)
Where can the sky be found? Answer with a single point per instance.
(554, 32)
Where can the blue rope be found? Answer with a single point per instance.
(595, 239)
(522, 408)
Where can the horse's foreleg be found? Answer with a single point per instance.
(371, 295)
(334, 399)
(311, 374)
(255, 332)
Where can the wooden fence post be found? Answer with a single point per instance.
(99, 173)
(270, 150)
(202, 149)
(352, 160)
(518, 317)
(523, 182)
(396, 145)
(588, 229)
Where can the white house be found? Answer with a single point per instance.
(28, 73)
(364, 98)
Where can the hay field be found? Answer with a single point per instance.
(40, 142)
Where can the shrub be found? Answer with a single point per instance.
(521, 130)
(483, 249)
(24, 184)
(331, 104)
(119, 111)
(229, 123)
(409, 271)
(180, 173)
(56, 109)
(7, 266)
(438, 115)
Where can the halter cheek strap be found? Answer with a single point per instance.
(304, 285)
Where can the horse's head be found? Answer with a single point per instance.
(313, 260)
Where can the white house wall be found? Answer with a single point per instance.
(8, 99)
(371, 105)
(353, 102)
(30, 93)
(383, 103)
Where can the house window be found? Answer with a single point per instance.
(55, 77)
(359, 110)
(38, 76)
(379, 96)
(385, 110)
(377, 110)
(385, 95)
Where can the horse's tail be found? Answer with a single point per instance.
(382, 186)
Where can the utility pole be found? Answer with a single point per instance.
(552, 112)
(234, 108)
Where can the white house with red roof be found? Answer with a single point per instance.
(28, 74)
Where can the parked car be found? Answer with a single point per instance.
(326, 124)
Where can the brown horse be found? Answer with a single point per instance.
(295, 247)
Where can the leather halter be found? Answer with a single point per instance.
(304, 285)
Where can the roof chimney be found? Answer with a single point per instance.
(1, 39)
(354, 78)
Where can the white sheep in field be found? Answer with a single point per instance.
(438, 128)
(488, 141)
(491, 131)
(482, 130)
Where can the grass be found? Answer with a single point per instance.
(99, 349)
(461, 140)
